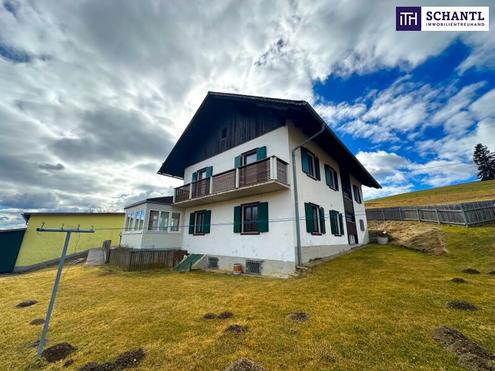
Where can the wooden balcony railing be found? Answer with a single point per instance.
(259, 172)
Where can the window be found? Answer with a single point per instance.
(253, 267)
(331, 178)
(163, 223)
(349, 217)
(201, 174)
(159, 221)
(310, 164)
(251, 218)
(134, 220)
(153, 222)
(174, 222)
(361, 224)
(357, 193)
(248, 157)
(212, 262)
(336, 223)
(199, 222)
(315, 219)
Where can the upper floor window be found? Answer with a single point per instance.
(331, 178)
(310, 163)
(315, 219)
(357, 193)
(202, 174)
(248, 157)
(251, 218)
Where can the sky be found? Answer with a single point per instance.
(94, 94)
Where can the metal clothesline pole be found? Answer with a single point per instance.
(68, 232)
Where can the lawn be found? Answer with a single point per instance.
(467, 192)
(374, 308)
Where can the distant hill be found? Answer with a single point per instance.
(467, 192)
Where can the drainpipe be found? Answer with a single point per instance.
(296, 198)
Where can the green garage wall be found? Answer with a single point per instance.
(10, 244)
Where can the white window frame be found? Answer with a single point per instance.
(165, 215)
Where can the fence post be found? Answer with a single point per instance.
(464, 215)
(417, 212)
(400, 213)
(383, 215)
(436, 213)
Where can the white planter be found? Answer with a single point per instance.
(382, 240)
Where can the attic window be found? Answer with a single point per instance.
(253, 267)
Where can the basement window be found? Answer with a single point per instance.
(212, 262)
(253, 267)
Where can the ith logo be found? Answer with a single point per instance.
(408, 18)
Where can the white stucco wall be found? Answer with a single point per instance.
(360, 213)
(146, 239)
(317, 192)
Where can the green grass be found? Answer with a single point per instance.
(374, 308)
(467, 192)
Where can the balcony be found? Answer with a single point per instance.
(267, 175)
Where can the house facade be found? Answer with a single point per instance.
(267, 185)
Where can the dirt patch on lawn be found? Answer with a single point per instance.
(236, 329)
(458, 280)
(210, 316)
(492, 272)
(244, 364)
(26, 303)
(37, 321)
(424, 237)
(461, 305)
(225, 315)
(471, 271)
(298, 316)
(469, 354)
(57, 352)
(129, 359)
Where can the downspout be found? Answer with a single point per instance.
(296, 198)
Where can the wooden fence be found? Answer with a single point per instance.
(468, 214)
(142, 259)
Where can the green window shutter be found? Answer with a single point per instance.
(304, 160)
(341, 224)
(322, 221)
(328, 176)
(237, 162)
(191, 223)
(261, 153)
(207, 221)
(209, 171)
(317, 168)
(336, 180)
(237, 219)
(308, 209)
(194, 176)
(333, 222)
(262, 220)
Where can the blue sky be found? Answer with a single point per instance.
(95, 94)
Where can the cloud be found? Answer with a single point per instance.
(51, 167)
(29, 200)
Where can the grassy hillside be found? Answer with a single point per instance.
(475, 191)
(374, 308)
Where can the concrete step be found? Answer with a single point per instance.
(95, 257)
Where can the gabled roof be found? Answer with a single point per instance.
(301, 109)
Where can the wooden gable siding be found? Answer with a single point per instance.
(240, 124)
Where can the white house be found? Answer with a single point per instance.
(240, 201)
